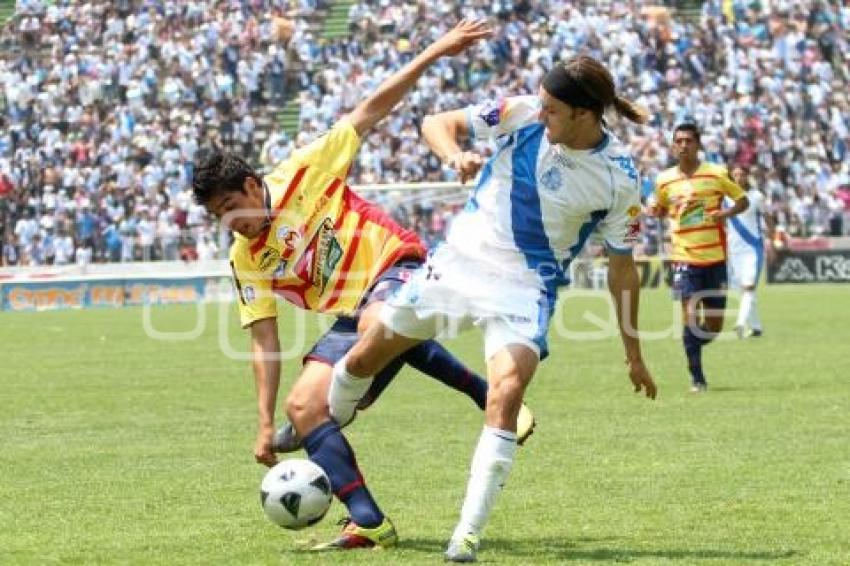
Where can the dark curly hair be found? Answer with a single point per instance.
(216, 172)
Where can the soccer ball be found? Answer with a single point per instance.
(295, 494)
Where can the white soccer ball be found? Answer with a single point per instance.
(296, 494)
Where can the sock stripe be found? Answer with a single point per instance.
(349, 487)
(503, 437)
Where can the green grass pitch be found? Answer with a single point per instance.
(117, 448)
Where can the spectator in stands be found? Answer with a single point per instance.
(104, 102)
(11, 255)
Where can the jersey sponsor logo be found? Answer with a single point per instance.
(692, 214)
(321, 256)
(551, 179)
(269, 258)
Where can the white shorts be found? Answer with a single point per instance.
(448, 295)
(744, 268)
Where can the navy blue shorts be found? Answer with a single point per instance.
(706, 281)
(339, 339)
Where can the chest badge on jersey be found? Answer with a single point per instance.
(552, 179)
(288, 237)
(564, 160)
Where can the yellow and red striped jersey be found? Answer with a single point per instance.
(697, 238)
(325, 245)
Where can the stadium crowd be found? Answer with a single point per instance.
(105, 104)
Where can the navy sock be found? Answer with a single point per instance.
(693, 350)
(327, 447)
(432, 359)
(707, 336)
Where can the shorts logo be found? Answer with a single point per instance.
(551, 179)
(270, 257)
(248, 294)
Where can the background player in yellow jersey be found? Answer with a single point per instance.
(691, 194)
(302, 234)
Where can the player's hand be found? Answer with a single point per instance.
(466, 163)
(465, 33)
(263, 452)
(640, 378)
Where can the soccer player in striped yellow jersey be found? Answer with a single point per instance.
(691, 194)
(303, 235)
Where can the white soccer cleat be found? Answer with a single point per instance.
(463, 549)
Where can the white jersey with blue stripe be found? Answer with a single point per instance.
(535, 204)
(744, 230)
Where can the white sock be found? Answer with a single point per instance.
(745, 307)
(491, 465)
(345, 392)
(755, 321)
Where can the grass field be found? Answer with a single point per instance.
(117, 448)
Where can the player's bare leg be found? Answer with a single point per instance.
(509, 372)
(353, 374)
(306, 404)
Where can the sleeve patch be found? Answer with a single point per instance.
(490, 113)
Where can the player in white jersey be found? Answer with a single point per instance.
(557, 178)
(746, 248)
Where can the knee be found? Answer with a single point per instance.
(505, 396)
(306, 409)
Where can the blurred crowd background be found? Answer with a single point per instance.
(103, 105)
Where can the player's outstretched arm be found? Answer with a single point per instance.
(624, 284)
(265, 349)
(391, 91)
